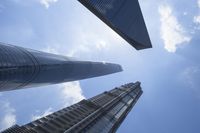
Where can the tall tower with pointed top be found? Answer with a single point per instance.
(100, 114)
(23, 68)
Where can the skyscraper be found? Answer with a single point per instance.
(101, 114)
(124, 17)
(22, 68)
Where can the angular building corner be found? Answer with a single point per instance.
(124, 17)
(23, 68)
(103, 113)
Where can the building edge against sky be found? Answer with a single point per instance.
(103, 113)
(124, 17)
(22, 68)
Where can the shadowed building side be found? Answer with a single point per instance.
(103, 113)
(124, 17)
(22, 68)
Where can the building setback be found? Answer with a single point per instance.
(22, 68)
(124, 17)
(101, 114)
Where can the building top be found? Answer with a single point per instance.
(124, 17)
(103, 113)
(23, 68)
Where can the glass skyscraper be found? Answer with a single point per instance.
(22, 68)
(101, 114)
(124, 17)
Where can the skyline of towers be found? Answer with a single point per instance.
(103, 113)
(23, 68)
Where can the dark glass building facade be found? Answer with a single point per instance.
(124, 17)
(101, 114)
(22, 68)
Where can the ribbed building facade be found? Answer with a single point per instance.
(22, 68)
(124, 17)
(101, 114)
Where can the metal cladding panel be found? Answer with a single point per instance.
(22, 68)
(124, 17)
(74, 70)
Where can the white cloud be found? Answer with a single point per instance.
(46, 112)
(190, 74)
(101, 45)
(47, 3)
(9, 117)
(79, 50)
(71, 93)
(190, 77)
(172, 32)
(196, 19)
(198, 2)
(90, 43)
(87, 44)
(185, 13)
(50, 49)
(86, 40)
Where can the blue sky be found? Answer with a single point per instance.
(169, 72)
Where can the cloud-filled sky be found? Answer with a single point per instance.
(169, 72)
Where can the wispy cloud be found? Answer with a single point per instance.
(101, 45)
(172, 32)
(50, 49)
(68, 93)
(46, 112)
(87, 44)
(47, 3)
(9, 117)
(190, 77)
(198, 2)
(196, 19)
(71, 93)
(84, 40)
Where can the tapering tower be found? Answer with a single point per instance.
(124, 17)
(22, 68)
(101, 114)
